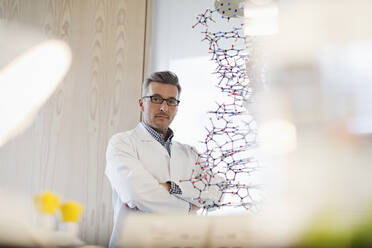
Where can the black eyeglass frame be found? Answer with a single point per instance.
(163, 99)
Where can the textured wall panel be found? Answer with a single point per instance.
(64, 149)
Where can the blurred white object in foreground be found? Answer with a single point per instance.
(16, 228)
(168, 231)
(261, 17)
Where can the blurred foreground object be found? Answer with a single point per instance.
(17, 229)
(46, 205)
(166, 231)
(330, 230)
(71, 212)
(325, 229)
(310, 112)
(261, 17)
(31, 67)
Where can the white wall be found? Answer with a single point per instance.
(178, 47)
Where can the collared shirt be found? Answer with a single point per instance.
(160, 138)
(174, 188)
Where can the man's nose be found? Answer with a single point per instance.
(164, 106)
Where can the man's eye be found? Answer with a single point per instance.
(172, 101)
(157, 98)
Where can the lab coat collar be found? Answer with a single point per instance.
(143, 133)
(145, 137)
(158, 136)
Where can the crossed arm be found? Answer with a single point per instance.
(167, 188)
(135, 186)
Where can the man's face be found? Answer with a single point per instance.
(159, 116)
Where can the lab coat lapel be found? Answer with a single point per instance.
(146, 138)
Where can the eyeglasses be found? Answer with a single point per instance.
(159, 100)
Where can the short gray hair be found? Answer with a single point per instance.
(164, 77)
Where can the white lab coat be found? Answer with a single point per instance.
(137, 163)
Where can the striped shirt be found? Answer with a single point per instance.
(160, 138)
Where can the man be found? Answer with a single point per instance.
(145, 166)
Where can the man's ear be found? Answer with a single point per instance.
(140, 103)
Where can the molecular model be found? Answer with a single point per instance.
(226, 163)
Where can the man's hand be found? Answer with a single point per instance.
(166, 186)
(135, 208)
